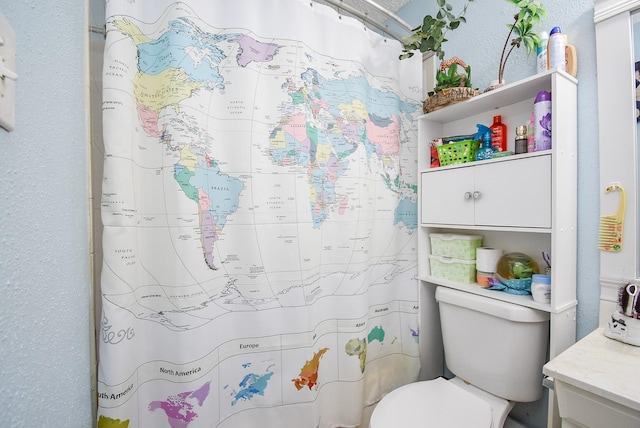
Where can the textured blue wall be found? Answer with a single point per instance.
(479, 43)
(44, 228)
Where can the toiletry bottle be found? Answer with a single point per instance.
(499, 134)
(541, 52)
(542, 124)
(530, 146)
(487, 149)
(521, 139)
(555, 50)
(541, 288)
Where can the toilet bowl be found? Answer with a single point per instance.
(440, 403)
(495, 349)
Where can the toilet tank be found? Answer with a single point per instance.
(497, 346)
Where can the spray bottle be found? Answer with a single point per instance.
(542, 126)
(487, 150)
(556, 50)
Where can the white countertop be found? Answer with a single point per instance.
(602, 366)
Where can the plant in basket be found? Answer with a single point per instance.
(451, 86)
(450, 78)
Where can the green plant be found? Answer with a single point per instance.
(430, 35)
(530, 12)
(452, 79)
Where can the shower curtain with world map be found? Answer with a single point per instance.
(259, 209)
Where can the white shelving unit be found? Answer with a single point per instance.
(521, 203)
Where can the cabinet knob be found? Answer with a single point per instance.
(467, 195)
(476, 195)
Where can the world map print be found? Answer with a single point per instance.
(329, 144)
(325, 121)
(259, 205)
(107, 422)
(252, 384)
(180, 409)
(309, 373)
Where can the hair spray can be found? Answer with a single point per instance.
(542, 124)
(555, 50)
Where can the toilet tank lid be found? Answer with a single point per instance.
(488, 305)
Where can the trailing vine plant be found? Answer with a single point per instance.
(430, 35)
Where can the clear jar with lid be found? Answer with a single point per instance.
(541, 288)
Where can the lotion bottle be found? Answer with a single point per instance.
(541, 52)
(499, 134)
(530, 144)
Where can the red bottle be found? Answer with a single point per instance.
(499, 136)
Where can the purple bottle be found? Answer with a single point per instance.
(542, 121)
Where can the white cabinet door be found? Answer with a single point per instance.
(514, 193)
(446, 196)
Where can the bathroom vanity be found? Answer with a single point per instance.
(596, 383)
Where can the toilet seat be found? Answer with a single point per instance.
(436, 403)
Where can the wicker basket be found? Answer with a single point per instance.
(446, 97)
(449, 96)
(460, 152)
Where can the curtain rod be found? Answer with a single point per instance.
(395, 18)
(340, 4)
(380, 26)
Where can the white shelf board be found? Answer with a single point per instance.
(522, 300)
(497, 98)
(481, 227)
(488, 161)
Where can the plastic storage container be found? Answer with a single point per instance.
(458, 152)
(484, 278)
(454, 245)
(451, 269)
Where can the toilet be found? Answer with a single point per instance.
(495, 350)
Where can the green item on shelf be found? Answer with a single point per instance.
(502, 154)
